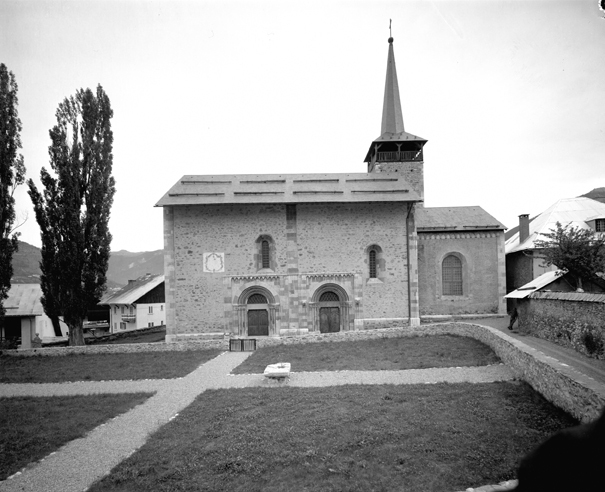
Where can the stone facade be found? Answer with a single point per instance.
(483, 275)
(314, 248)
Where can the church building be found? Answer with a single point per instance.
(289, 254)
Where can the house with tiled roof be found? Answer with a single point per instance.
(523, 262)
(289, 254)
(140, 304)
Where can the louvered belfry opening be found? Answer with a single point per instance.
(452, 276)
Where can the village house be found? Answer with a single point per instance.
(25, 323)
(138, 305)
(523, 261)
(288, 254)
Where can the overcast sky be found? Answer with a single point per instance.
(509, 94)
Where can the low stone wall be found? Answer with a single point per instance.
(575, 393)
(577, 324)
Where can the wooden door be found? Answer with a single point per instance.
(258, 322)
(329, 319)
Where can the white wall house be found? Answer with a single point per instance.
(141, 304)
(25, 317)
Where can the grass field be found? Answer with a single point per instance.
(442, 437)
(373, 355)
(31, 428)
(101, 367)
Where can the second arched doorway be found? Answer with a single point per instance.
(329, 312)
(330, 308)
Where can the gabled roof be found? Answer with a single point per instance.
(536, 284)
(289, 188)
(134, 290)
(429, 219)
(567, 211)
(24, 300)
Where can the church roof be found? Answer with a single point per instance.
(289, 188)
(433, 219)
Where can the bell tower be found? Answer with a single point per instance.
(396, 150)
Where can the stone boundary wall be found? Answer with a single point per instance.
(577, 324)
(568, 389)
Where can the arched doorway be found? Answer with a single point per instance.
(329, 312)
(257, 315)
(256, 312)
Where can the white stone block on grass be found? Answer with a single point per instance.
(279, 370)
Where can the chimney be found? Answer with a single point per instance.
(523, 227)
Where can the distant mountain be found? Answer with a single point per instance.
(597, 194)
(123, 265)
(26, 264)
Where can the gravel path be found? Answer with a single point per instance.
(81, 462)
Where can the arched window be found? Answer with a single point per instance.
(372, 261)
(376, 263)
(265, 257)
(452, 276)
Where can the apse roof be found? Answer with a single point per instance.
(289, 188)
(567, 211)
(429, 219)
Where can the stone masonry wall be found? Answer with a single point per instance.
(316, 238)
(575, 324)
(335, 237)
(575, 393)
(482, 285)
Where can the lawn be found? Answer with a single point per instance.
(441, 437)
(101, 367)
(31, 428)
(374, 355)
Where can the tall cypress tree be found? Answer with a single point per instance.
(12, 174)
(73, 210)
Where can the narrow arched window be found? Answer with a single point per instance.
(452, 276)
(266, 262)
(372, 261)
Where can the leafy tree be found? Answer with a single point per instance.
(581, 252)
(73, 210)
(12, 174)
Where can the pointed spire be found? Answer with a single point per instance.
(392, 117)
(394, 144)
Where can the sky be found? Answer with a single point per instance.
(509, 94)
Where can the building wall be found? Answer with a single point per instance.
(126, 317)
(312, 246)
(482, 256)
(413, 172)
